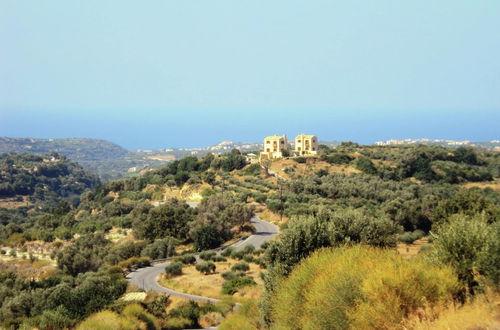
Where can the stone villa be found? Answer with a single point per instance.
(277, 146)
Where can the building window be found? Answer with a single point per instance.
(298, 149)
(282, 142)
(314, 149)
(268, 141)
(298, 141)
(268, 149)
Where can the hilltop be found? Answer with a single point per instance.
(78, 149)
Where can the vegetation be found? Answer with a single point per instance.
(472, 247)
(345, 288)
(45, 177)
(205, 267)
(231, 286)
(174, 268)
(347, 197)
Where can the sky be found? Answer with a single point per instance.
(161, 73)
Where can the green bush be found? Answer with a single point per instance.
(240, 266)
(228, 275)
(219, 259)
(207, 255)
(472, 247)
(407, 237)
(205, 267)
(186, 259)
(160, 248)
(358, 288)
(238, 254)
(245, 318)
(174, 268)
(227, 251)
(137, 311)
(231, 287)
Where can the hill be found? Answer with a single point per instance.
(75, 149)
(42, 178)
(106, 159)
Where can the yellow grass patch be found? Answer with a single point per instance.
(312, 166)
(191, 193)
(14, 202)
(412, 250)
(193, 282)
(118, 235)
(495, 185)
(272, 217)
(134, 296)
(482, 313)
(37, 270)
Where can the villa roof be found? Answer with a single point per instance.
(306, 136)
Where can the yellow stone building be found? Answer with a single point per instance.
(274, 146)
(306, 145)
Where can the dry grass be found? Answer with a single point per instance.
(481, 314)
(134, 296)
(37, 270)
(412, 250)
(119, 235)
(190, 193)
(312, 166)
(272, 217)
(193, 282)
(14, 202)
(495, 185)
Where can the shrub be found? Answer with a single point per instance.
(246, 317)
(219, 259)
(138, 312)
(189, 311)
(407, 237)
(227, 251)
(237, 255)
(364, 164)
(358, 288)
(471, 246)
(231, 287)
(248, 258)
(249, 249)
(135, 261)
(207, 255)
(174, 268)
(205, 267)
(160, 248)
(108, 320)
(228, 275)
(206, 237)
(186, 259)
(240, 266)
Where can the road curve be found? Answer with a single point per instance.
(147, 278)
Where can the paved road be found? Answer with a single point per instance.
(264, 231)
(146, 278)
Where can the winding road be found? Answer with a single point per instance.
(147, 278)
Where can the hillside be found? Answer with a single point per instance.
(377, 196)
(42, 178)
(106, 159)
(75, 149)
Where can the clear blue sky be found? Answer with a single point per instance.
(151, 74)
